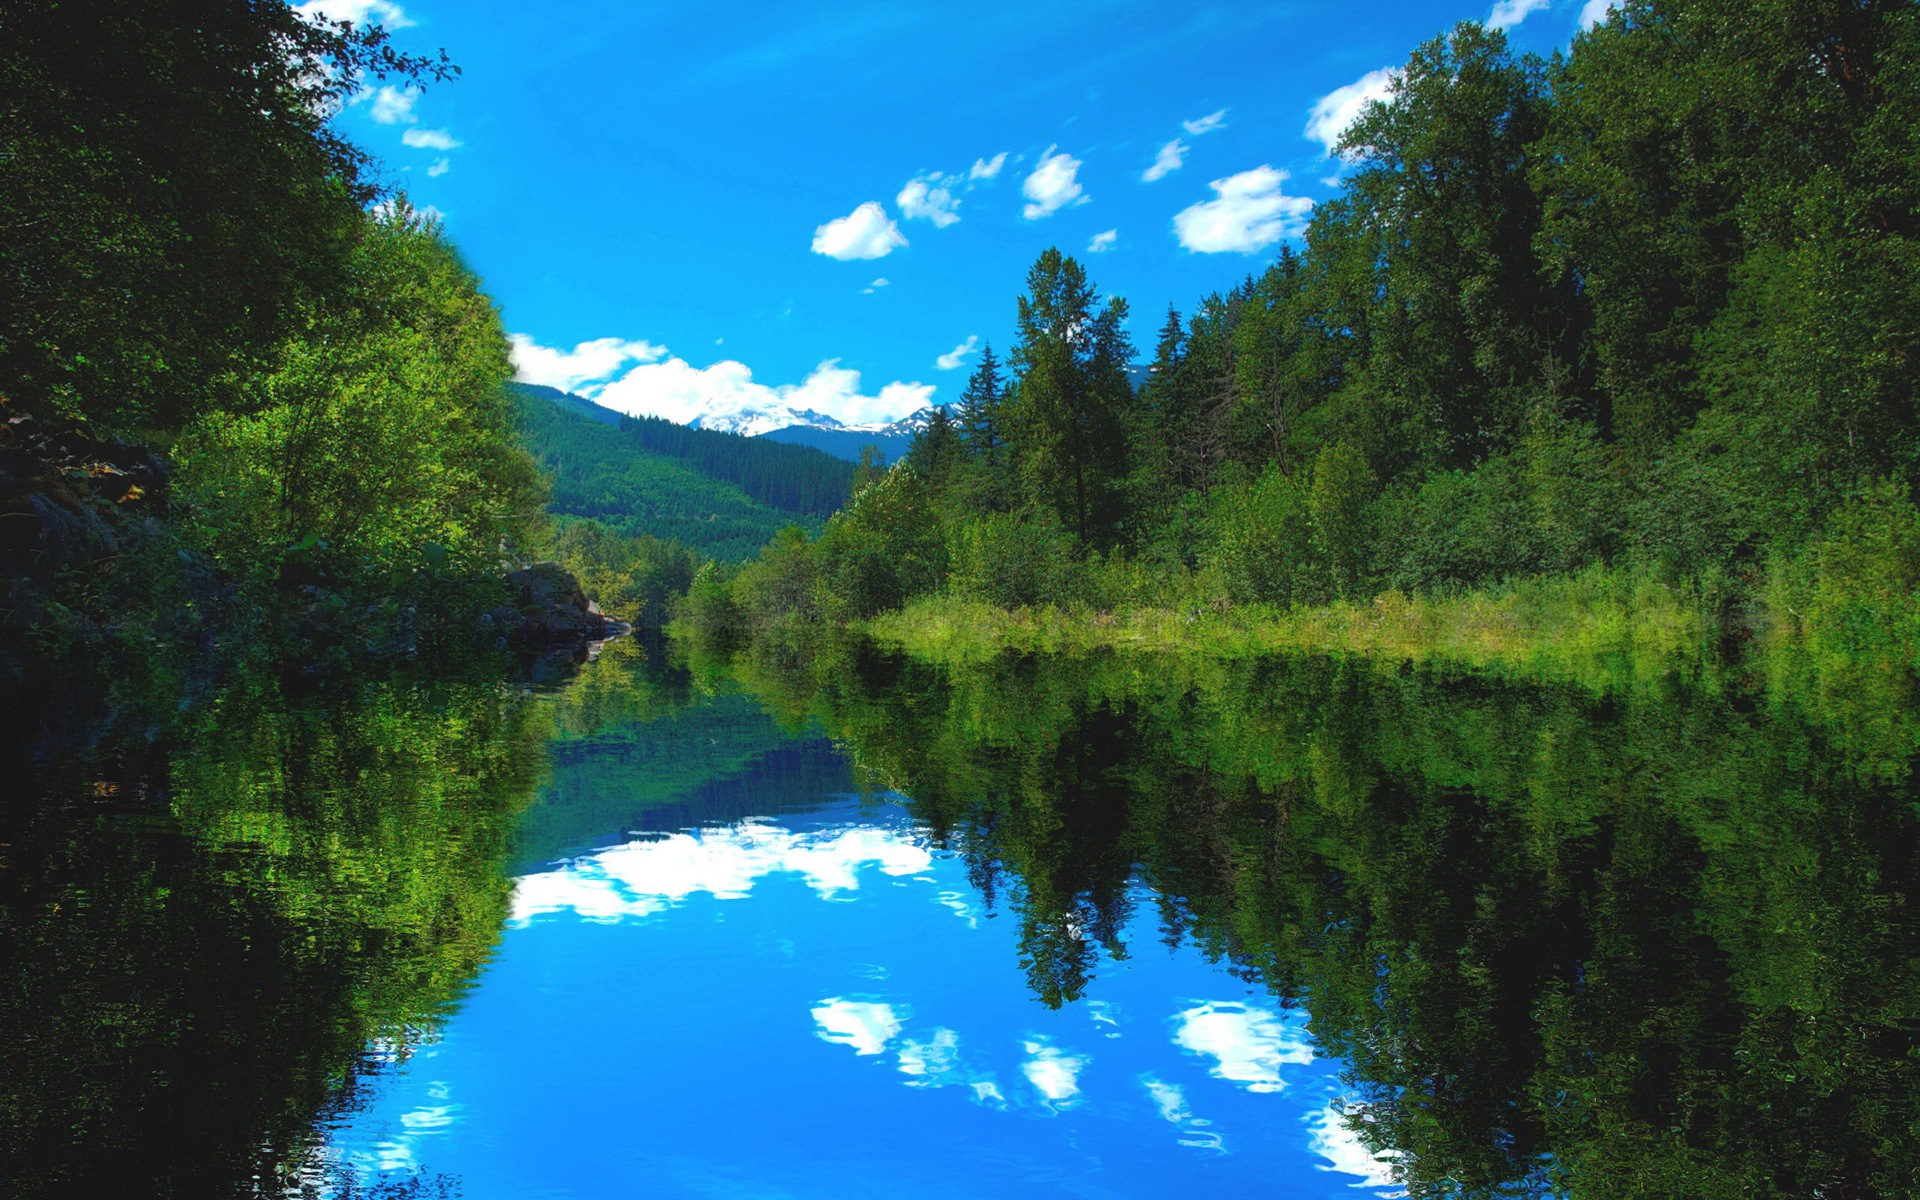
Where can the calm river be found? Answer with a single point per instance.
(853, 927)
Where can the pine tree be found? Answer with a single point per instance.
(937, 452)
(980, 410)
(1066, 420)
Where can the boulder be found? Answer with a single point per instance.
(551, 606)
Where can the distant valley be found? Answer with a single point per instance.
(715, 491)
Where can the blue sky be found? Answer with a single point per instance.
(708, 196)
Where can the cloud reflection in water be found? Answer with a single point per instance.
(642, 878)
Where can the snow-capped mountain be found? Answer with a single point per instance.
(755, 421)
(846, 441)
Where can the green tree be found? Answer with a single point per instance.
(1343, 487)
(173, 200)
(387, 433)
(1066, 419)
(1465, 315)
(982, 419)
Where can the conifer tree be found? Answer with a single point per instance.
(1065, 425)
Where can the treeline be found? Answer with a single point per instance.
(238, 380)
(1652, 305)
(796, 478)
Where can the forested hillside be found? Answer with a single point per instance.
(719, 494)
(1651, 307)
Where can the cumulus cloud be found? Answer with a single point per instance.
(583, 369)
(1331, 1138)
(987, 168)
(866, 232)
(1103, 242)
(928, 199)
(430, 139)
(1248, 1045)
(957, 357)
(1053, 1073)
(1206, 124)
(640, 879)
(1595, 12)
(440, 167)
(1248, 212)
(865, 1025)
(722, 396)
(726, 396)
(1508, 13)
(392, 106)
(1171, 158)
(1339, 109)
(1052, 186)
(360, 12)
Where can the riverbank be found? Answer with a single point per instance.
(1568, 627)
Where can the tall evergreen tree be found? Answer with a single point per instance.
(937, 453)
(1066, 421)
(980, 405)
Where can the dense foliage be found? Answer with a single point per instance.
(1652, 305)
(237, 382)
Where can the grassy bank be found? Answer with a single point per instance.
(1590, 626)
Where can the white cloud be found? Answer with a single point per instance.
(1052, 1072)
(1248, 212)
(875, 286)
(1508, 13)
(392, 106)
(1171, 1100)
(725, 396)
(1339, 109)
(360, 12)
(1249, 1045)
(722, 396)
(1331, 1139)
(928, 200)
(957, 357)
(1103, 242)
(987, 168)
(440, 167)
(866, 232)
(1052, 185)
(430, 139)
(1206, 124)
(584, 369)
(1171, 158)
(640, 879)
(865, 1025)
(1595, 12)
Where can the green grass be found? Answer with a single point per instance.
(1590, 627)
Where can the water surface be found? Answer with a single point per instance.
(849, 926)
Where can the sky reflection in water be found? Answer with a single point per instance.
(821, 1006)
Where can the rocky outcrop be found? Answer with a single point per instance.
(549, 606)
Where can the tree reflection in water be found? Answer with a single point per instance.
(215, 924)
(1650, 941)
